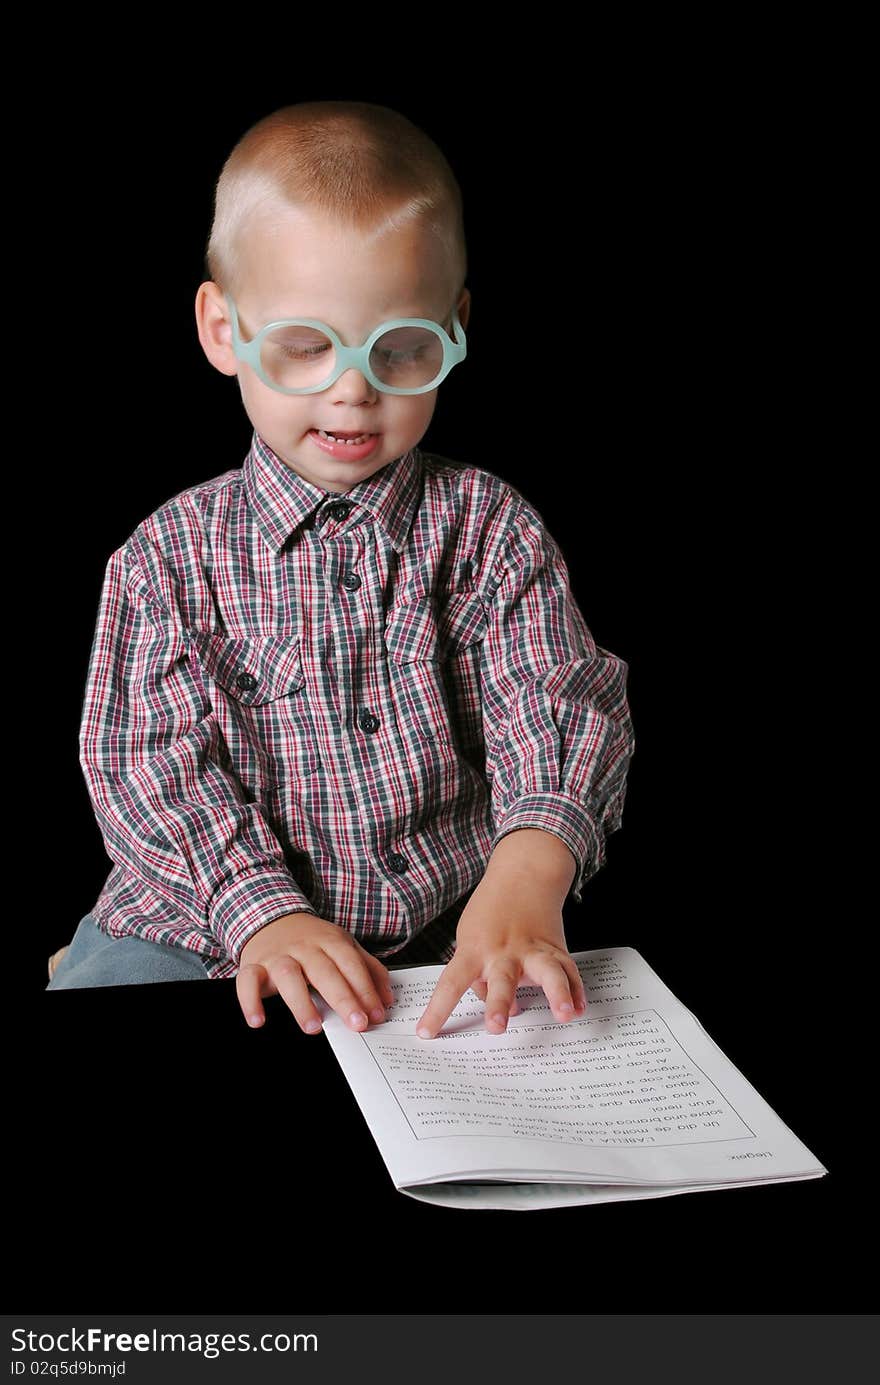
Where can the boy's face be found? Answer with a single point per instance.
(309, 266)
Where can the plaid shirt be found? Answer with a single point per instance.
(299, 700)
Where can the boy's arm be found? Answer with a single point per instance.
(557, 724)
(558, 738)
(148, 742)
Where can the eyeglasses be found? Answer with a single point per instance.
(300, 355)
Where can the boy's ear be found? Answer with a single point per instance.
(214, 328)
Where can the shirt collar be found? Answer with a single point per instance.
(282, 500)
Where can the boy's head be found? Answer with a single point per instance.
(346, 213)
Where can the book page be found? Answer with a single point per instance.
(635, 1092)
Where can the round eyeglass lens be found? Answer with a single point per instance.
(298, 357)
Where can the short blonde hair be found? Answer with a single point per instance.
(367, 166)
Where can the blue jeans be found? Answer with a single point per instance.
(95, 959)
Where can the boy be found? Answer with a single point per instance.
(341, 703)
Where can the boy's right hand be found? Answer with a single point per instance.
(298, 950)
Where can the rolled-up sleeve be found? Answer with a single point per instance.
(151, 752)
(557, 725)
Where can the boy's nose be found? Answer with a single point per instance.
(353, 384)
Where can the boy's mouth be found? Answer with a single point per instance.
(344, 437)
(353, 447)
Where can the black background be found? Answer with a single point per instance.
(650, 230)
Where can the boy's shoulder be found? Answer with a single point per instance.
(483, 488)
(199, 493)
(184, 513)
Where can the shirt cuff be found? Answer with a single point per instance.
(245, 906)
(566, 818)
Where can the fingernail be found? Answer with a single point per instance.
(500, 1019)
(254, 1021)
(423, 1032)
(377, 1015)
(313, 1026)
(357, 1017)
(566, 1009)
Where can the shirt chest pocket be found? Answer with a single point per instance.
(262, 704)
(434, 647)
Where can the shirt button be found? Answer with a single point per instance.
(351, 581)
(398, 863)
(246, 680)
(338, 510)
(367, 721)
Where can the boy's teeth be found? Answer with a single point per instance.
(361, 437)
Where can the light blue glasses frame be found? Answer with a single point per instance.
(349, 356)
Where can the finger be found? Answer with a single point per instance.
(504, 975)
(288, 976)
(560, 981)
(480, 988)
(250, 981)
(354, 964)
(324, 970)
(381, 979)
(377, 993)
(451, 986)
(579, 995)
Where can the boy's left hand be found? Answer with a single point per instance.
(506, 938)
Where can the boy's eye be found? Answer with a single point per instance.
(398, 357)
(300, 352)
(300, 346)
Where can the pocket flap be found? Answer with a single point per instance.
(434, 628)
(463, 621)
(251, 668)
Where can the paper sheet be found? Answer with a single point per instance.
(635, 1093)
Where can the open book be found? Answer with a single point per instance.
(635, 1100)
